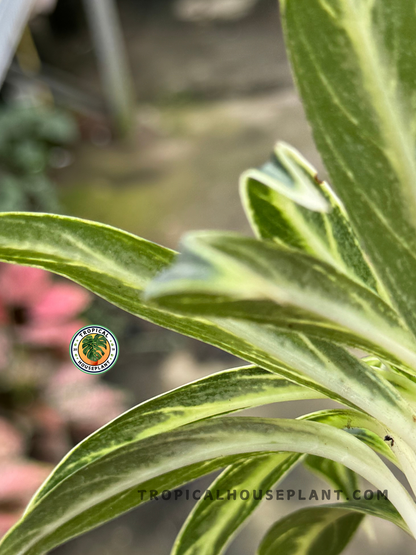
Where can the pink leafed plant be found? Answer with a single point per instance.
(42, 310)
(48, 403)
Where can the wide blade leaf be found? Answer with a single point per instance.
(222, 274)
(326, 529)
(355, 70)
(75, 499)
(275, 216)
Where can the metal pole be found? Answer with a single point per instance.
(112, 59)
(14, 14)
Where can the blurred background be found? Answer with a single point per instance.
(140, 114)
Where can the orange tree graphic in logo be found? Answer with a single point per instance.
(94, 349)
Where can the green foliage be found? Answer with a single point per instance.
(29, 136)
(326, 529)
(94, 347)
(331, 268)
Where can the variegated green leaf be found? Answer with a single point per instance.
(275, 216)
(338, 475)
(403, 381)
(315, 530)
(220, 393)
(103, 508)
(326, 529)
(360, 425)
(342, 373)
(226, 391)
(222, 274)
(354, 66)
(212, 524)
(87, 497)
(117, 266)
(288, 173)
(346, 483)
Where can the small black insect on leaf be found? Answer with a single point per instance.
(390, 439)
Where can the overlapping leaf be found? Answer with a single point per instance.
(97, 491)
(222, 274)
(326, 529)
(288, 173)
(355, 70)
(213, 522)
(221, 393)
(230, 390)
(403, 381)
(357, 424)
(334, 534)
(327, 235)
(359, 87)
(338, 475)
(117, 266)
